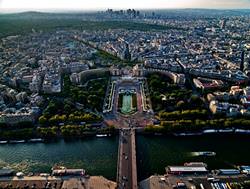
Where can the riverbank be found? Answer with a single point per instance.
(56, 132)
(87, 182)
(199, 133)
(196, 181)
(50, 134)
(168, 181)
(47, 140)
(199, 126)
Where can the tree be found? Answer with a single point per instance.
(71, 117)
(67, 108)
(42, 120)
(196, 101)
(180, 105)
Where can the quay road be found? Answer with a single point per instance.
(126, 168)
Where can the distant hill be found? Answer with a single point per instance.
(190, 12)
(23, 23)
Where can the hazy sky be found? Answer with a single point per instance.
(103, 4)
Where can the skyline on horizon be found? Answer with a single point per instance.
(84, 5)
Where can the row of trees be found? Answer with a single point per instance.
(184, 114)
(54, 132)
(48, 132)
(198, 125)
(72, 131)
(56, 119)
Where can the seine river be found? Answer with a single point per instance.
(99, 155)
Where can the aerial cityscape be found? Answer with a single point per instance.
(136, 95)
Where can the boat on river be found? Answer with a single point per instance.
(242, 131)
(17, 141)
(63, 171)
(187, 134)
(36, 140)
(102, 135)
(195, 164)
(3, 142)
(205, 153)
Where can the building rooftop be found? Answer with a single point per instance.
(186, 169)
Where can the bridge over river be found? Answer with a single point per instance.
(126, 168)
(130, 110)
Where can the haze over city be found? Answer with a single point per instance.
(26, 5)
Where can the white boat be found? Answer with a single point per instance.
(3, 142)
(187, 134)
(207, 131)
(36, 140)
(16, 141)
(63, 171)
(101, 135)
(242, 131)
(195, 164)
(205, 153)
(226, 130)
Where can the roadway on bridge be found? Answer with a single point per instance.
(127, 172)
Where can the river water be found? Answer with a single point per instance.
(154, 153)
(99, 155)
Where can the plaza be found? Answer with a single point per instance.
(127, 99)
